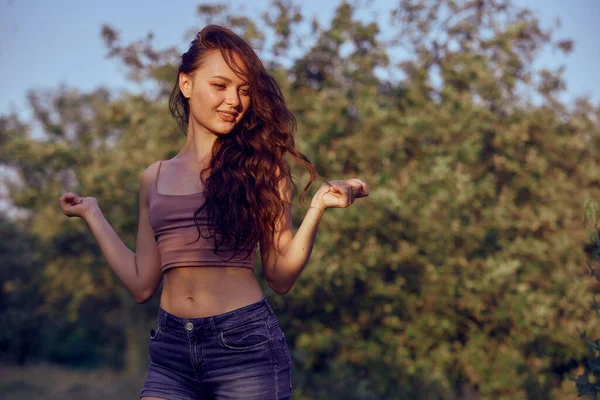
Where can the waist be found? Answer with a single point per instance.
(195, 292)
(236, 317)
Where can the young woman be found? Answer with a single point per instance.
(203, 214)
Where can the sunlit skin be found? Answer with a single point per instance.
(218, 98)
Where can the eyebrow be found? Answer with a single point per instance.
(227, 79)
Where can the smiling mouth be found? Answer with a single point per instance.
(227, 116)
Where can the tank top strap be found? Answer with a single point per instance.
(157, 173)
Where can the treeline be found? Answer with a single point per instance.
(463, 275)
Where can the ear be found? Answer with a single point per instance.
(185, 84)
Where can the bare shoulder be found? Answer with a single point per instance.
(148, 176)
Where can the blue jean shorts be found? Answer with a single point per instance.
(241, 354)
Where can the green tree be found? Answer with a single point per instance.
(461, 275)
(19, 287)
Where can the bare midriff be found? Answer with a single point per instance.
(198, 292)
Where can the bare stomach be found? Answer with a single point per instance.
(198, 292)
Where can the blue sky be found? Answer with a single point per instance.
(46, 43)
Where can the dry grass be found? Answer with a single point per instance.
(45, 382)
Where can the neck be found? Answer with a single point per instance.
(198, 144)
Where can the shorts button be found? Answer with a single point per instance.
(189, 326)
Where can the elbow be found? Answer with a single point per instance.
(141, 299)
(280, 289)
(278, 279)
(142, 296)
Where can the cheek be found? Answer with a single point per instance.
(206, 98)
(246, 102)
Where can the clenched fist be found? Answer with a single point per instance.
(339, 193)
(72, 205)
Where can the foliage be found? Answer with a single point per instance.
(459, 277)
(587, 383)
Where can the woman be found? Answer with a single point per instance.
(202, 215)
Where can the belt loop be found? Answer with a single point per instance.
(165, 316)
(211, 325)
(268, 306)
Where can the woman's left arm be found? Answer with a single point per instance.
(285, 255)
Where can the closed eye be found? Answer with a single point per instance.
(219, 86)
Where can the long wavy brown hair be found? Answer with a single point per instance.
(241, 182)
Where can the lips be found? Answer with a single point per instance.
(229, 116)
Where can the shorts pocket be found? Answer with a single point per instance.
(245, 337)
(155, 333)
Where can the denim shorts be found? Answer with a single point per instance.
(241, 354)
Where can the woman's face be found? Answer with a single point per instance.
(218, 97)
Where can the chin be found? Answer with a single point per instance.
(222, 130)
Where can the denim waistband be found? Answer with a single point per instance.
(229, 319)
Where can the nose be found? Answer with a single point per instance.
(233, 98)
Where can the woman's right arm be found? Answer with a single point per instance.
(139, 272)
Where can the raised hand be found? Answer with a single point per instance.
(339, 193)
(72, 205)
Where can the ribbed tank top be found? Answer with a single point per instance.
(172, 220)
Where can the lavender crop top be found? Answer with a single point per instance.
(172, 220)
